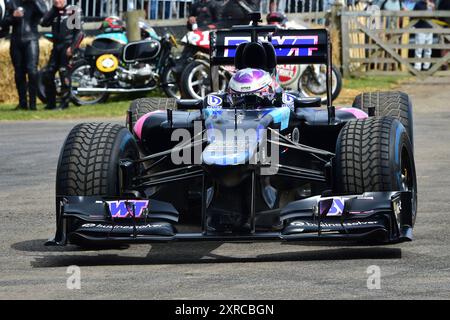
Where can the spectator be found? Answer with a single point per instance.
(204, 13)
(4, 27)
(66, 39)
(409, 4)
(237, 12)
(392, 5)
(423, 38)
(24, 17)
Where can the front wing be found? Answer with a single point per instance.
(381, 216)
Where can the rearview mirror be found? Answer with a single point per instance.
(141, 51)
(310, 102)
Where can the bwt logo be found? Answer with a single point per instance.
(289, 44)
(124, 208)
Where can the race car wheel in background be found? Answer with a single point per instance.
(375, 154)
(89, 161)
(140, 107)
(394, 104)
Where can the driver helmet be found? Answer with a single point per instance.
(112, 24)
(252, 85)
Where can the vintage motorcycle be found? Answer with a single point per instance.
(100, 69)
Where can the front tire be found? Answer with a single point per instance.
(375, 154)
(89, 162)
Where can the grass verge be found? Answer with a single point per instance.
(354, 86)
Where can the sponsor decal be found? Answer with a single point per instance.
(119, 227)
(214, 101)
(288, 44)
(332, 225)
(288, 98)
(288, 101)
(124, 208)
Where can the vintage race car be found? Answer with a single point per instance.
(251, 163)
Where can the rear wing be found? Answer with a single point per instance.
(309, 46)
(306, 46)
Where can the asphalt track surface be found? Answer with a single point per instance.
(415, 270)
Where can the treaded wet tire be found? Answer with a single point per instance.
(89, 159)
(375, 154)
(140, 107)
(393, 104)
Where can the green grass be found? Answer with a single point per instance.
(374, 82)
(354, 86)
(104, 110)
(113, 108)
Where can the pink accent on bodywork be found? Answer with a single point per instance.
(140, 123)
(358, 113)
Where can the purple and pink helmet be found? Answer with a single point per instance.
(255, 82)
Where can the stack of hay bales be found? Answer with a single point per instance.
(8, 92)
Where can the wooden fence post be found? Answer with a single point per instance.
(132, 18)
(335, 26)
(345, 46)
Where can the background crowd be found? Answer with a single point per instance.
(22, 18)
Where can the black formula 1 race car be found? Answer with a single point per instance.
(248, 164)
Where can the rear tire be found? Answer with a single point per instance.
(393, 104)
(140, 107)
(89, 162)
(375, 154)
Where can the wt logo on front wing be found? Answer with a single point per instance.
(124, 208)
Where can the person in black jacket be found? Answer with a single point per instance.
(4, 30)
(24, 17)
(204, 13)
(66, 23)
(236, 12)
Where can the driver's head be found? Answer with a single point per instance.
(253, 86)
(59, 3)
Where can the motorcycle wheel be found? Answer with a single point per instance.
(195, 82)
(41, 86)
(80, 75)
(310, 86)
(169, 83)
